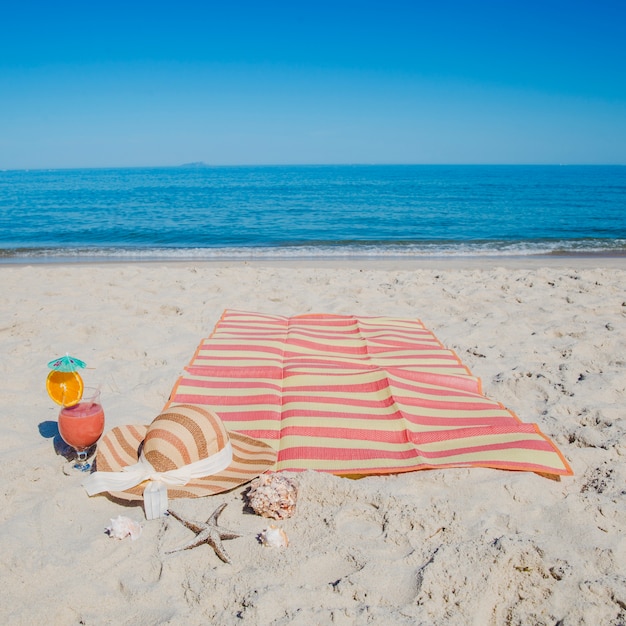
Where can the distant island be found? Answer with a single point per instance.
(195, 164)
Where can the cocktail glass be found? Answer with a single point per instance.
(81, 426)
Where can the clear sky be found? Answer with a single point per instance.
(96, 83)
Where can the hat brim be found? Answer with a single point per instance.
(120, 448)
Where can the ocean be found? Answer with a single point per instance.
(201, 212)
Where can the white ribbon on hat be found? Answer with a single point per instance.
(155, 492)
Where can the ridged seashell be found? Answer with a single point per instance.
(274, 537)
(273, 495)
(122, 527)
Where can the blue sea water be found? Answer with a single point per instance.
(201, 212)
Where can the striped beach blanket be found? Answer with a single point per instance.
(356, 396)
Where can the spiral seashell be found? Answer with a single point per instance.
(122, 527)
(273, 496)
(274, 537)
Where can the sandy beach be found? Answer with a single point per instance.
(455, 546)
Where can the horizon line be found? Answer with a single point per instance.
(203, 165)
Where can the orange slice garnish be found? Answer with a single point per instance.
(65, 388)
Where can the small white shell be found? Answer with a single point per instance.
(273, 495)
(274, 537)
(122, 527)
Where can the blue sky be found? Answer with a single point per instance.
(98, 84)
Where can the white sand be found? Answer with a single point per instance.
(456, 546)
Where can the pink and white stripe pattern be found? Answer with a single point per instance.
(355, 396)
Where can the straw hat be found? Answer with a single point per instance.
(186, 452)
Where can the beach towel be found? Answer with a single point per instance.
(356, 396)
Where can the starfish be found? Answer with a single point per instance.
(207, 532)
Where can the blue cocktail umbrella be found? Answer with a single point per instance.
(66, 363)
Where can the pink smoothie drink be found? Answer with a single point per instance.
(82, 424)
